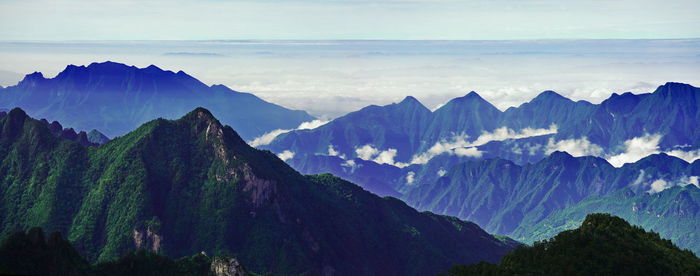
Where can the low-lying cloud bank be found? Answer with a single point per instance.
(458, 144)
(633, 149)
(267, 138)
(369, 152)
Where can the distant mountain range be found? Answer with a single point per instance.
(471, 127)
(191, 185)
(115, 99)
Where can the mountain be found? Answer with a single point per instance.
(603, 245)
(671, 111)
(191, 185)
(96, 137)
(116, 98)
(502, 196)
(673, 213)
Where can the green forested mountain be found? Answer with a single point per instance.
(603, 245)
(191, 185)
(673, 213)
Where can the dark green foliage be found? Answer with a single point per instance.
(191, 185)
(29, 253)
(603, 245)
(144, 262)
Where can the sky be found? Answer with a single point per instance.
(331, 57)
(329, 78)
(347, 19)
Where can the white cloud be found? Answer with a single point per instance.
(692, 180)
(333, 152)
(370, 153)
(351, 164)
(575, 147)
(688, 156)
(636, 148)
(441, 172)
(659, 185)
(312, 124)
(504, 133)
(366, 152)
(410, 177)
(470, 152)
(459, 145)
(286, 155)
(267, 138)
(640, 178)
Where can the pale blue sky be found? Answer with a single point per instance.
(346, 19)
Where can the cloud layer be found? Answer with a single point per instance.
(460, 146)
(267, 138)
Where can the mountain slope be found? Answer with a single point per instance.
(116, 98)
(190, 185)
(673, 213)
(502, 196)
(603, 245)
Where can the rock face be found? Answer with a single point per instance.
(227, 266)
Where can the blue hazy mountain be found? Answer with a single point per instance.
(673, 111)
(501, 196)
(115, 98)
(673, 213)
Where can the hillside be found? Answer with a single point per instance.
(190, 185)
(603, 245)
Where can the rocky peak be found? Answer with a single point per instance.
(227, 266)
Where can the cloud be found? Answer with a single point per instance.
(504, 133)
(688, 156)
(658, 186)
(640, 178)
(312, 124)
(575, 147)
(661, 184)
(368, 152)
(458, 144)
(410, 177)
(286, 155)
(351, 164)
(692, 180)
(267, 138)
(636, 148)
(333, 152)
(441, 172)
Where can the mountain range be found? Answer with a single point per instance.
(471, 127)
(191, 185)
(115, 98)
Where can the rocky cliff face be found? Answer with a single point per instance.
(227, 266)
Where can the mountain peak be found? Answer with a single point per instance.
(33, 77)
(549, 95)
(409, 100)
(675, 89)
